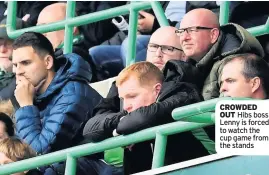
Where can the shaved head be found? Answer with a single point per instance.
(164, 36)
(200, 17)
(197, 42)
(53, 13)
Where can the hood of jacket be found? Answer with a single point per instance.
(233, 39)
(69, 67)
(181, 76)
(80, 48)
(183, 71)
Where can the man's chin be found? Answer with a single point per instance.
(160, 66)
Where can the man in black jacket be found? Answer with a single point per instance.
(178, 89)
(26, 10)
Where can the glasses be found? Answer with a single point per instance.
(165, 49)
(191, 30)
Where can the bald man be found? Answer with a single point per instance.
(164, 52)
(164, 48)
(54, 13)
(57, 12)
(203, 40)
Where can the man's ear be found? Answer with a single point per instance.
(255, 84)
(49, 62)
(157, 88)
(214, 35)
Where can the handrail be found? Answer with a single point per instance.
(159, 132)
(91, 148)
(224, 12)
(224, 18)
(71, 22)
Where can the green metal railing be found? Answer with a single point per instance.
(255, 31)
(158, 133)
(70, 22)
(132, 8)
(190, 117)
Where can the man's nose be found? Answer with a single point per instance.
(159, 52)
(127, 106)
(185, 36)
(3, 48)
(223, 88)
(18, 70)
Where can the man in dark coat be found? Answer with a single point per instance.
(178, 89)
(7, 78)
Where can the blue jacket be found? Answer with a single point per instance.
(57, 118)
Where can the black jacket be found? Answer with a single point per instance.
(9, 85)
(178, 90)
(26, 7)
(210, 5)
(97, 32)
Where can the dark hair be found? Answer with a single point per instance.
(37, 41)
(8, 124)
(254, 66)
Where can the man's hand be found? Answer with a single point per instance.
(145, 23)
(24, 91)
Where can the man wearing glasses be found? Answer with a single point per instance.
(203, 40)
(164, 46)
(178, 89)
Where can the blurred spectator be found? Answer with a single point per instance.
(243, 13)
(54, 96)
(12, 150)
(57, 12)
(6, 126)
(214, 6)
(203, 40)
(111, 54)
(7, 78)
(97, 32)
(26, 10)
(245, 75)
